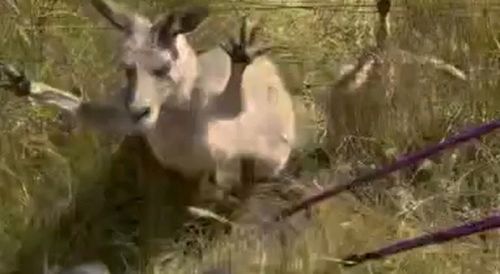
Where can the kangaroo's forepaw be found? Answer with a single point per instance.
(244, 49)
(14, 80)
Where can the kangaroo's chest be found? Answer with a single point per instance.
(177, 141)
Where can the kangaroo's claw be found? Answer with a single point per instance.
(16, 80)
(245, 50)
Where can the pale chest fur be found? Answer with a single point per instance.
(178, 142)
(192, 144)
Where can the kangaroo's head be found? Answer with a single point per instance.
(159, 64)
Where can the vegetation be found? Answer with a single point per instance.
(62, 194)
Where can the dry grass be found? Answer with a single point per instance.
(60, 193)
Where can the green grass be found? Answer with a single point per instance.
(59, 193)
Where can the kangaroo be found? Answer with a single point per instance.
(194, 111)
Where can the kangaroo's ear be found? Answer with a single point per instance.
(116, 15)
(186, 20)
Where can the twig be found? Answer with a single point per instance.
(489, 223)
(405, 161)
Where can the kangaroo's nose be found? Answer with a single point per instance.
(139, 113)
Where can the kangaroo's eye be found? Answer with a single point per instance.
(161, 71)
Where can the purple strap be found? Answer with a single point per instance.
(404, 161)
(446, 235)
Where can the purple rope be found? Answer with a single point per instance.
(404, 161)
(489, 223)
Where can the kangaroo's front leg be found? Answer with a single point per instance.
(38, 92)
(101, 116)
(229, 103)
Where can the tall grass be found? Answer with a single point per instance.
(69, 198)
